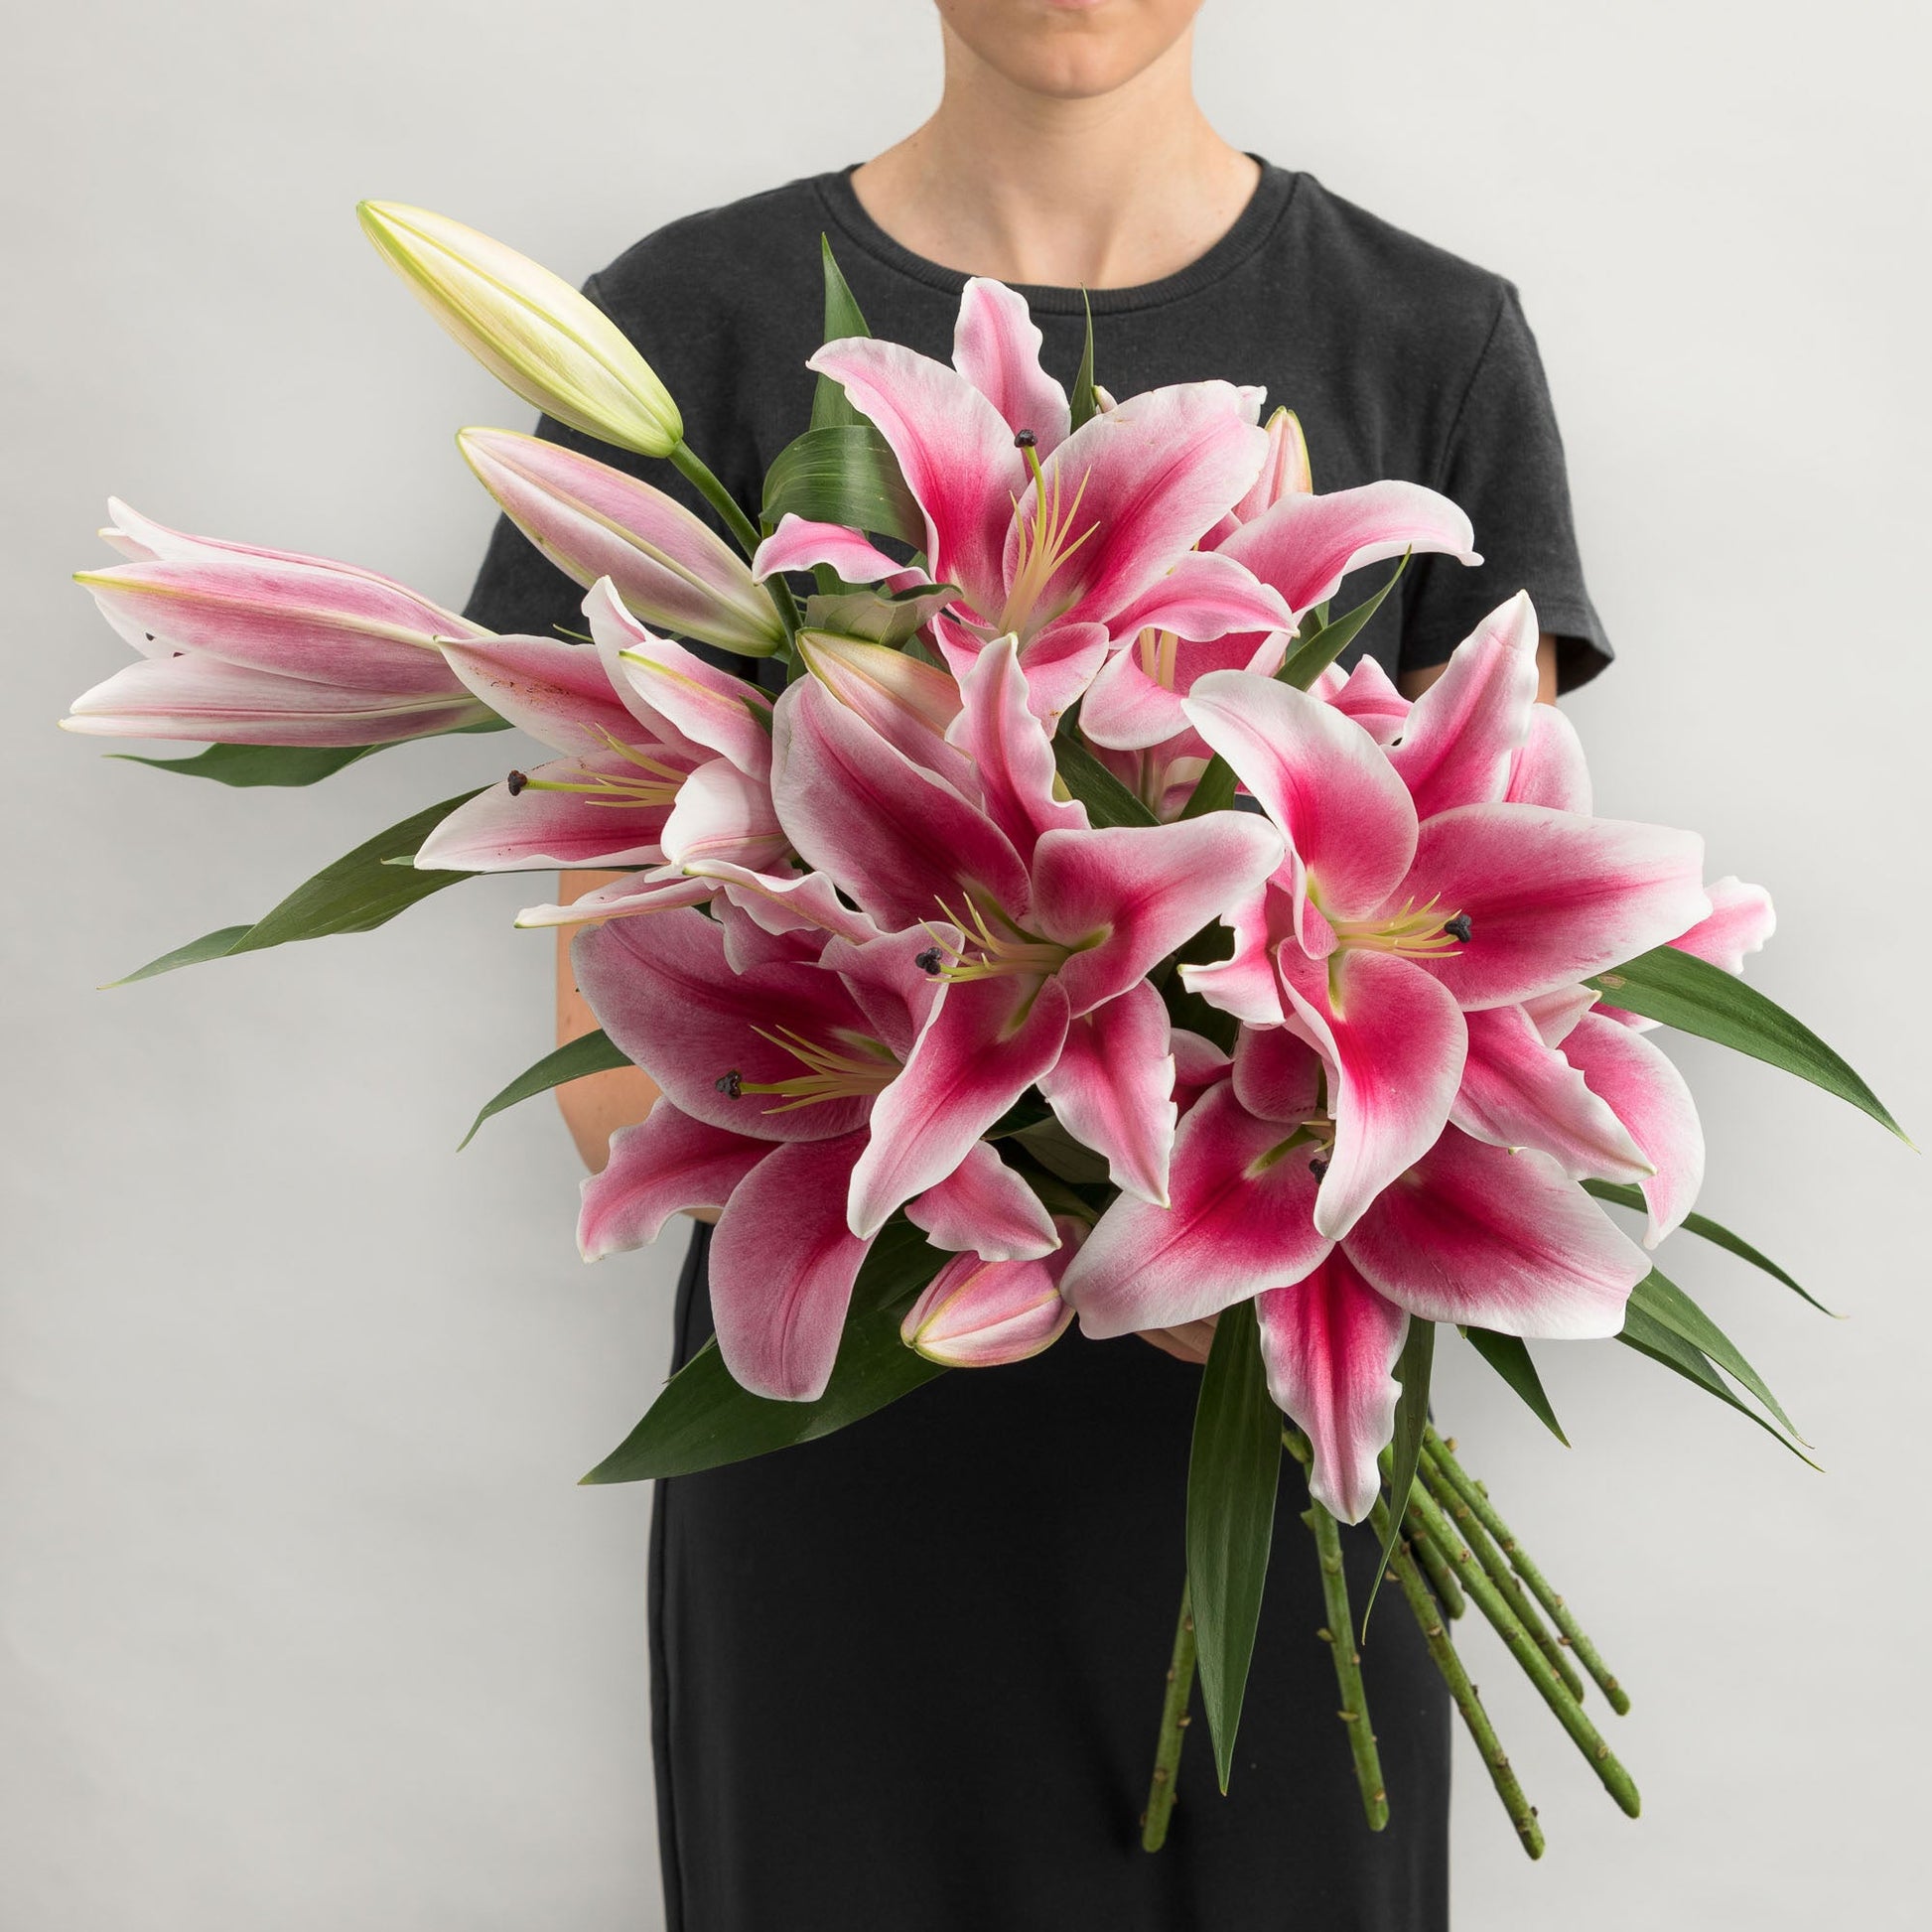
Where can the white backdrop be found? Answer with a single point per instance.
(305, 1624)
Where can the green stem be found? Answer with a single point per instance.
(1435, 1566)
(1477, 1499)
(1173, 1729)
(694, 469)
(1340, 1638)
(1536, 1667)
(1508, 1585)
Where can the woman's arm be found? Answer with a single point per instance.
(595, 1107)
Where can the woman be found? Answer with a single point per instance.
(908, 1677)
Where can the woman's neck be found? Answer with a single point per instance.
(1103, 192)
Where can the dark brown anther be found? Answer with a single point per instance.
(1319, 1166)
(1024, 439)
(1459, 928)
(927, 961)
(516, 781)
(731, 1085)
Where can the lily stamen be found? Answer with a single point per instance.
(1045, 542)
(860, 1067)
(1415, 932)
(983, 954)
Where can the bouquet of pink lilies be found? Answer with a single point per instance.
(1065, 934)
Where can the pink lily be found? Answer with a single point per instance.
(1047, 921)
(253, 646)
(772, 1051)
(980, 1314)
(593, 521)
(665, 759)
(1414, 891)
(1740, 922)
(1068, 542)
(1468, 1233)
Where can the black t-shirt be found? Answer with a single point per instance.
(1400, 359)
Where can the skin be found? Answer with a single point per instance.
(1067, 150)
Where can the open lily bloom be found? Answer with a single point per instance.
(774, 1052)
(1415, 889)
(664, 758)
(254, 646)
(1468, 1233)
(1068, 542)
(1042, 926)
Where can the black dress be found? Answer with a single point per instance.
(908, 1678)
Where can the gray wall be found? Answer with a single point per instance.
(304, 1625)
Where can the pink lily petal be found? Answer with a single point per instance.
(1126, 896)
(978, 1313)
(987, 1041)
(1305, 545)
(663, 890)
(1135, 699)
(1551, 897)
(722, 814)
(1321, 779)
(996, 348)
(591, 520)
(1740, 922)
(906, 845)
(1112, 1086)
(985, 1208)
(912, 704)
(1152, 477)
(1241, 1222)
(557, 691)
(191, 695)
(749, 943)
(1205, 596)
(889, 979)
(1367, 696)
(1497, 1240)
(1553, 1015)
(1285, 471)
(1059, 662)
(666, 1162)
(800, 544)
(298, 620)
(1330, 1344)
(1465, 730)
(1198, 1066)
(788, 901)
(1277, 1074)
(1010, 753)
(1247, 985)
(1649, 1096)
(1395, 1042)
(783, 1263)
(522, 825)
(1519, 1092)
(664, 992)
(954, 450)
(1550, 769)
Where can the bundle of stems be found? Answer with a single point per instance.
(1455, 1550)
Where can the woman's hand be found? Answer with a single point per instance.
(1187, 1343)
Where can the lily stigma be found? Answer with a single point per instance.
(866, 1067)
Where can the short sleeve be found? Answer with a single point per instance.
(1503, 463)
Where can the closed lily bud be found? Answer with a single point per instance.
(979, 1314)
(530, 328)
(593, 521)
(1286, 471)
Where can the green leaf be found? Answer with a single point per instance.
(1316, 652)
(259, 764)
(842, 473)
(1625, 1195)
(1696, 997)
(591, 1052)
(360, 892)
(1087, 405)
(1214, 791)
(830, 409)
(1509, 1356)
(704, 1419)
(877, 616)
(1658, 1296)
(1661, 1344)
(1108, 801)
(1232, 1474)
(1412, 1370)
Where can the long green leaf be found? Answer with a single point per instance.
(1108, 801)
(1625, 1194)
(1316, 652)
(1509, 1356)
(1661, 1344)
(360, 892)
(830, 409)
(1412, 1370)
(1232, 1474)
(1696, 997)
(1660, 1298)
(843, 474)
(1087, 405)
(591, 1052)
(259, 764)
(1214, 791)
(704, 1419)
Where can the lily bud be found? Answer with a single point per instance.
(1286, 471)
(593, 521)
(531, 330)
(978, 1313)
(910, 704)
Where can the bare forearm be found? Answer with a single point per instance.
(595, 1107)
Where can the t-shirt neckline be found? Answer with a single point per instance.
(1252, 227)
